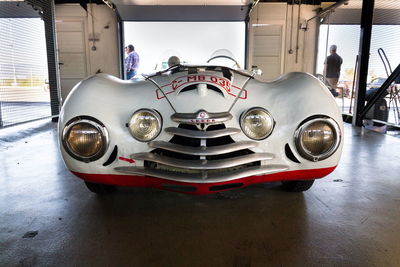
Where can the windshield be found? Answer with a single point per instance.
(224, 57)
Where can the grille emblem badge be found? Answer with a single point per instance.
(202, 115)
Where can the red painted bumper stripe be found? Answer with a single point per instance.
(201, 188)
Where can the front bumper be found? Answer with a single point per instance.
(202, 188)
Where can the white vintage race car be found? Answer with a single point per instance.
(199, 130)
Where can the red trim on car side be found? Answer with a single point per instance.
(201, 188)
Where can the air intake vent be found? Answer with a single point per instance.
(290, 155)
(209, 87)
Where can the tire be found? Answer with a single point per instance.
(100, 189)
(297, 186)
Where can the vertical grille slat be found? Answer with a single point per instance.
(201, 134)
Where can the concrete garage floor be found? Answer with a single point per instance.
(350, 218)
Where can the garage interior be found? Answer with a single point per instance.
(47, 216)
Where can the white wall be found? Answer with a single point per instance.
(267, 38)
(307, 48)
(104, 58)
(269, 44)
(274, 39)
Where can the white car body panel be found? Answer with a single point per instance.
(290, 100)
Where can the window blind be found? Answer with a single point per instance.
(24, 90)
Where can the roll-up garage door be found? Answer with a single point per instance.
(24, 90)
(342, 28)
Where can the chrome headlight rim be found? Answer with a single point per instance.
(93, 122)
(158, 117)
(243, 115)
(302, 151)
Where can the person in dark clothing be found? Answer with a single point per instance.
(332, 67)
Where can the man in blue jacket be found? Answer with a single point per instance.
(131, 62)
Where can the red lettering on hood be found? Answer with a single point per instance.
(209, 79)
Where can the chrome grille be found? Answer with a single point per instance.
(202, 152)
(212, 143)
(202, 164)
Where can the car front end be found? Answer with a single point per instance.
(201, 130)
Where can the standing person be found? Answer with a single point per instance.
(332, 67)
(131, 62)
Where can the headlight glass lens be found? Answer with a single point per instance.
(257, 123)
(318, 139)
(85, 140)
(145, 125)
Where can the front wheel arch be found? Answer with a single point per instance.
(100, 189)
(297, 185)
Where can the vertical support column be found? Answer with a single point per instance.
(363, 54)
(121, 47)
(246, 44)
(47, 12)
(52, 57)
(316, 36)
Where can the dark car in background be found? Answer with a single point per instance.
(376, 83)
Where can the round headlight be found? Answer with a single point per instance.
(317, 139)
(145, 125)
(85, 140)
(257, 123)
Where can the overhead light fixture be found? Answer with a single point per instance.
(260, 24)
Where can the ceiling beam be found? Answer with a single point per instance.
(304, 2)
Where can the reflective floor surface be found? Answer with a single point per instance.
(49, 218)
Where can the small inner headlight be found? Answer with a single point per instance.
(257, 123)
(145, 125)
(317, 139)
(85, 140)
